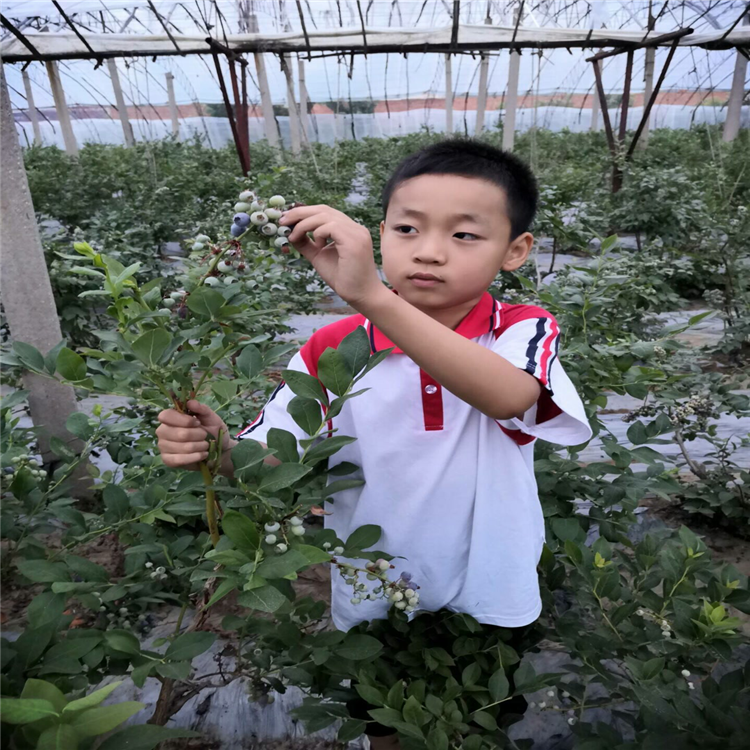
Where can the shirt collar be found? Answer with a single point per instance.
(483, 318)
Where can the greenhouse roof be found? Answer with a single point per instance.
(68, 46)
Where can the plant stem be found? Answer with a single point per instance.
(213, 525)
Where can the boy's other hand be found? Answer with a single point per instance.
(182, 437)
(347, 263)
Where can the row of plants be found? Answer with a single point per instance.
(648, 623)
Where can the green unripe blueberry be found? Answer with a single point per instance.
(273, 213)
(269, 229)
(223, 266)
(400, 605)
(371, 577)
(271, 539)
(281, 548)
(203, 238)
(258, 219)
(326, 545)
(281, 242)
(408, 608)
(168, 302)
(256, 206)
(242, 207)
(296, 521)
(355, 600)
(177, 296)
(198, 246)
(384, 564)
(212, 281)
(229, 280)
(284, 231)
(298, 530)
(338, 551)
(272, 527)
(247, 196)
(276, 200)
(397, 597)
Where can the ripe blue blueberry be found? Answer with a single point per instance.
(236, 230)
(242, 219)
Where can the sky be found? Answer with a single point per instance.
(377, 76)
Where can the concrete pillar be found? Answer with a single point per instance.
(448, 95)
(594, 112)
(734, 106)
(122, 110)
(173, 106)
(648, 87)
(33, 114)
(63, 115)
(303, 101)
(511, 102)
(269, 121)
(291, 102)
(27, 293)
(482, 93)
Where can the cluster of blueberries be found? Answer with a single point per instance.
(251, 212)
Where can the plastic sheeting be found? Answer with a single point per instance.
(331, 128)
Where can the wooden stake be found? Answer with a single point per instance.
(302, 100)
(33, 114)
(594, 112)
(122, 110)
(63, 115)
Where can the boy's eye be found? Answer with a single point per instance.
(407, 227)
(403, 227)
(469, 234)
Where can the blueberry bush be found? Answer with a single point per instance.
(647, 629)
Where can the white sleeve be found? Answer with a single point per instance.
(558, 416)
(275, 414)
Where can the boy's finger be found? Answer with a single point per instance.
(173, 418)
(174, 460)
(169, 446)
(181, 434)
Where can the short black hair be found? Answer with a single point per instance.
(468, 157)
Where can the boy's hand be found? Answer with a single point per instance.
(347, 264)
(182, 437)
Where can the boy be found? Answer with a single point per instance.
(445, 433)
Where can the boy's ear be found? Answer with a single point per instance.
(382, 228)
(518, 252)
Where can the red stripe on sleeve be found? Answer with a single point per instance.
(547, 351)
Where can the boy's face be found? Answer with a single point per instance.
(424, 234)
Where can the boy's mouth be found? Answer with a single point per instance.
(425, 276)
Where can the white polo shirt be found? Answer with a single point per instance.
(453, 489)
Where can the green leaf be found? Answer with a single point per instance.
(88, 570)
(499, 685)
(30, 356)
(395, 697)
(205, 302)
(13, 399)
(387, 716)
(327, 448)
(150, 347)
(637, 433)
(246, 456)
(364, 537)
(305, 385)
(355, 351)
(241, 530)
(279, 566)
(370, 694)
(333, 372)
(350, 730)
(103, 719)
(61, 449)
(437, 739)
(59, 737)
(485, 720)
(24, 711)
(284, 443)
(70, 365)
(471, 674)
(43, 571)
(306, 412)
(144, 737)
(413, 712)
(50, 358)
(93, 699)
(568, 529)
(177, 670)
(284, 475)
(43, 690)
(250, 361)
(357, 647)
(122, 640)
(313, 554)
(116, 500)
(264, 599)
(189, 645)
(78, 424)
